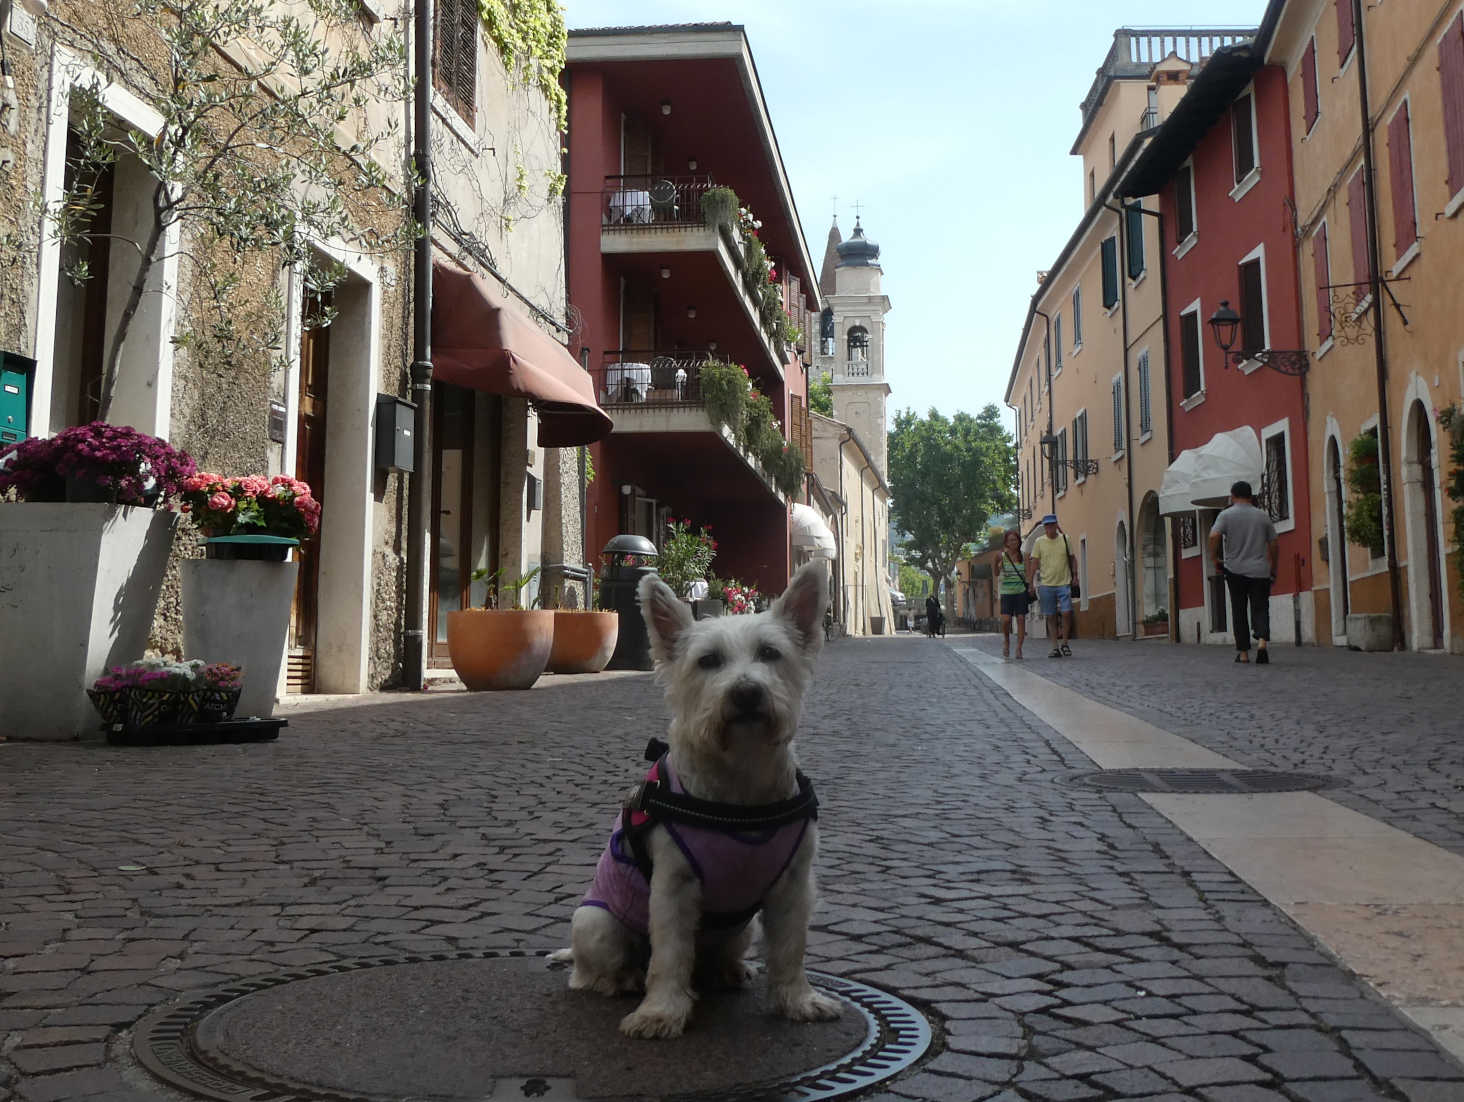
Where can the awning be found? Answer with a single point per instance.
(481, 340)
(1202, 476)
(811, 533)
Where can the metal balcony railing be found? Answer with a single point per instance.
(654, 200)
(642, 377)
(1149, 119)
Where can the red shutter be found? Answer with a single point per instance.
(1358, 218)
(1324, 276)
(1400, 178)
(1451, 80)
(1346, 31)
(1309, 83)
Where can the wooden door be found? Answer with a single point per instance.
(639, 318)
(310, 468)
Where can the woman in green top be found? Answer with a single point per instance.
(1015, 596)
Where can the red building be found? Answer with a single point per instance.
(662, 120)
(1220, 165)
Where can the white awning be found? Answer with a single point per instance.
(811, 533)
(1202, 476)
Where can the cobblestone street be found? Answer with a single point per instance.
(1065, 943)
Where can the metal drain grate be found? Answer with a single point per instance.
(169, 1043)
(1202, 781)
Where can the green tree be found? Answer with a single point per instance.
(821, 395)
(948, 477)
(914, 584)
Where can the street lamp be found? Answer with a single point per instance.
(1225, 323)
(1049, 452)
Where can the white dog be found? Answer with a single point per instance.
(723, 827)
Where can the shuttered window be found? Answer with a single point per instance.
(1189, 351)
(1134, 231)
(1146, 416)
(1278, 488)
(1252, 306)
(1057, 340)
(1357, 218)
(455, 54)
(1060, 474)
(1110, 272)
(1451, 81)
(1243, 137)
(1400, 179)
(1311, 100)
(1346, 31)
(1080, 443)
(1322, 266)
(1077, 318)
(1184, 201)
(1118, 433)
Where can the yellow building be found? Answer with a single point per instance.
(1380, 372)
(1088, 380)
(851, 479)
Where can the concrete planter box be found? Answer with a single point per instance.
(1370, 631)
(238, 611)
(80, 588)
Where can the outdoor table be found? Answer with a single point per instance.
(627, 382)
(630, 205)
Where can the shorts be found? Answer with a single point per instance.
(1015, 604)
(1055, 599)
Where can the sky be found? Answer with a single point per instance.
(950, 122)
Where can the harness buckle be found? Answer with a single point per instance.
(636, 798)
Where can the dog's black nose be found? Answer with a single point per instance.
(749, 697)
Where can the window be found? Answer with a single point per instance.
(858, 342)
(1118, 433)
(1253, 336)
(1080, 442)
(1243, 136)
(1451, 80)
(455, 54)
(1047, 362)
(1400, 177)
(1189, 533)
(1189, 351)
(1322, 267)
(1029, 400)
(1346, 32)
(1110, 272)
(1310, 98)
(1057, 340)
(1134, 230)
(1146, 418)
(1184, 199)
(1357, 217)
(1112, 151)
(1060, 468)
(1092, 186)
(1278, 478)
(1077, 318)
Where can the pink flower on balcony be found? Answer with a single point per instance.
(221, 502)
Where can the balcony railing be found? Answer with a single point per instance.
(654, 200)
(1149, 119)
(856, 368)
(640, 377)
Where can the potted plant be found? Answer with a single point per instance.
(160, 692)
(237, 600)
(740, 598)
(85, 533)
(686, 556)
(500, 646)
(584, 638)
(1157, 622)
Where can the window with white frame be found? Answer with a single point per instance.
(1276, 449)
(1077, 318)
(1191, 354)
(1118, 427)
(1057, 342)
(1060, 467)
(1146, 418)
(1184, 201)
(1243, 135)
(1400, 178)
(1254, 323)
(1080, 443)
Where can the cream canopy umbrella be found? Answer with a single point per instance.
(811, 533)
(1203, 476)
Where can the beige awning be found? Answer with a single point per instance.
(811, 533)
(1203, 476)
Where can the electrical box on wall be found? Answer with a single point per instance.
(535, 490)
(396, 420)
(17, 375)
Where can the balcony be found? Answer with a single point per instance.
(1149, 120)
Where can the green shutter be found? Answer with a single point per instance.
(1110, 272)
(1135, 231)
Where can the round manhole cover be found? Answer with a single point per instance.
(1202, 781)
(467, 1027)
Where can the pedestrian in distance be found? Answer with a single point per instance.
(1016, 594)
(933, 616)
(1243, 542)
(1051, 564)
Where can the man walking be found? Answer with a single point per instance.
(1243, 542)
(1051, 562)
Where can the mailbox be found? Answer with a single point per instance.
(396, 421)
(16, 373)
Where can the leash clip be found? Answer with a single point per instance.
(639, 795)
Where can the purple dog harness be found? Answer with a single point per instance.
(737, 851)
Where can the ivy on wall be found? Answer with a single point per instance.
(1453, 423)
(531, 39)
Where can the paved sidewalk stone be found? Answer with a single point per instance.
(1066, 944)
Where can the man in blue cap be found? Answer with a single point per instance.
(1051, 562)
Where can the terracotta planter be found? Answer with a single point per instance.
(492, 649)
(583, 641)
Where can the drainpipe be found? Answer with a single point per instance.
(1176, 560)
(1128, 436)
(844, 498)
(1380, 355)
(414, 635)
(1052, 468)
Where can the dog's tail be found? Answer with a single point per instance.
(561, 956)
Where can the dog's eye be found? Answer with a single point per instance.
(767, 653)
(712, 660)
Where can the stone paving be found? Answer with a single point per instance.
(1391, 725)
(1066, 944)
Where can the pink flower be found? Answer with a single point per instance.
(221, 502)
(254, 484)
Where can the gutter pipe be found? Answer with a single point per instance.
(1051, 462)
(1128, 435)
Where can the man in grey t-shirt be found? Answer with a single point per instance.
(1243, 542)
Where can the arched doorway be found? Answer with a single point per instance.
(1421, 508)
(1121, 619)
(1153, 557)
(1337, 542)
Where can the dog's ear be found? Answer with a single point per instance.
(803, 602)
(666, 616)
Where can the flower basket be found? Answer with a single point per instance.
(157, 707)
(215, 705)
(109, 704)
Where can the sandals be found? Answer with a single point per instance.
(1006, 652)
(1067, 651)
(1243, 658)
(1055, 652)
(1263, 658)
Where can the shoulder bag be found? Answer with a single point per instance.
(1031, 593)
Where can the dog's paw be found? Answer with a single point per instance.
(735, 973)
(660, 1021)
(806, 1005)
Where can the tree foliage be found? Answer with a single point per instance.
(821, 395)
(948, 477)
